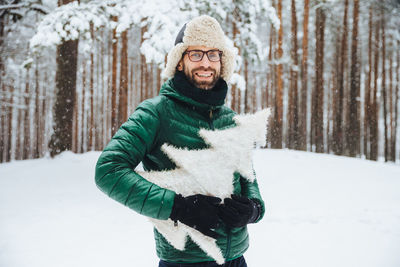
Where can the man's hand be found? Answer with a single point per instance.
(197, 211)
(239, 211)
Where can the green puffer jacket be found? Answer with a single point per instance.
(174, 119)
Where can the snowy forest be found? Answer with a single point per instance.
(71, 72)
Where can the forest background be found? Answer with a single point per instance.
(72, 72)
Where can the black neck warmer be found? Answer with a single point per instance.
(214, 97)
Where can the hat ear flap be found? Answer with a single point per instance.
(228, 64)
(173, 58)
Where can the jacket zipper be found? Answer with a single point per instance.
(211, 123)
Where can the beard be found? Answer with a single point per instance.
(205, 85)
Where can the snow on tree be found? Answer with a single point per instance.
(210, 172)
(70, 22)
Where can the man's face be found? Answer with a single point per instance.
(203, 74)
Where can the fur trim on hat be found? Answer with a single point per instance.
(202, 31)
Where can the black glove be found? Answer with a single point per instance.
(197, 211)
(239, 211)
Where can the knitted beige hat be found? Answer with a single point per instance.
(201, 31)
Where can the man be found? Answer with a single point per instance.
(198, 65)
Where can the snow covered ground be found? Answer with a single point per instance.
(322, 211)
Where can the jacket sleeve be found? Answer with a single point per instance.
(251, 190)
(115, 174)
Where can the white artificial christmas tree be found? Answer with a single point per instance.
(210, 172)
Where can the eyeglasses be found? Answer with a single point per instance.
(197, 55)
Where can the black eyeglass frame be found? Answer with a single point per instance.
(202, 54)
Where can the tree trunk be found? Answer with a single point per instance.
(384, 93)
(374, 104)
(391, 111)
(247, 94)
(142, 67)
(270, 76)
(27, 135)
(338, 126)
(353, 130)
(304, 76)
(67, 59)
(104, 96)
(75, 125)
(114, 107)
(67, 55)
(396, 105)
(83, 110)
(367, 97)
(318, 111)
(123, 86)
(43, 132)
(277, 125)
(331, 86)
(254, 95)
(98, 116)
(3, 133)
(19, 122)
(108, 98)
(334, 94)
(293, 90)
(91, 88)
(158, 79)
(9, 155)
(37, 135)
(234, 104)
(2, 110)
